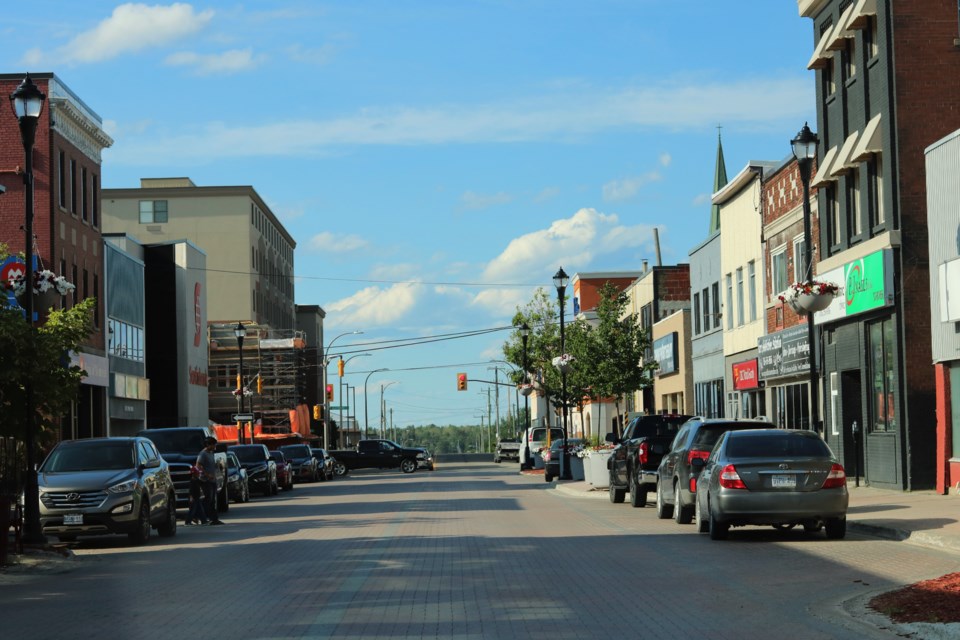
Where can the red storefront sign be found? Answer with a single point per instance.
(745, 375)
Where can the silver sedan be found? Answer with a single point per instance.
(771, 477)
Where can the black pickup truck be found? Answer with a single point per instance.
(377, 454)
(637, 454)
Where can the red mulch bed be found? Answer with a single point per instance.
(936, 600)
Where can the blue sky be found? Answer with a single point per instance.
(437, 161)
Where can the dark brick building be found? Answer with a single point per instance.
(67, 176)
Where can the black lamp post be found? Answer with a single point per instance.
(805, 150)
(240, 331)
(27, 103)
(524, 336)
(560, 281)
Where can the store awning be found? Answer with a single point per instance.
(862, 11)
(823, 169)
(821, 57)
(843, 162)
(838, 39)
(871, 141)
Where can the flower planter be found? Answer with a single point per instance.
(576, 467)
(811, 302)
(41, 301)
(599, 476)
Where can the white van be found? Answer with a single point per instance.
(533, 439)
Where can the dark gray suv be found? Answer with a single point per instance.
(106, 485)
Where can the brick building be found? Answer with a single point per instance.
(66, 226)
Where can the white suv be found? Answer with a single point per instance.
(534, 439)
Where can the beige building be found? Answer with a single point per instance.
(249, 253)
(673, 382)
(742, 289)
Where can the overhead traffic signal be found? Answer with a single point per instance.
(259, 384)
(316, 412)
(461, 382)
(329, 392)
(340, 364)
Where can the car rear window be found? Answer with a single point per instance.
(708, 434)
(786, 445)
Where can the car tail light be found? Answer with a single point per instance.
(693, 485)
(730, 479)
(693, 454)
(642, 453)
(836, 478)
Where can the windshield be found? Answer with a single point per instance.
(187, 442)
(232, 462)
(296, 451)
(91, 456)
(278, 456)
(249, 454)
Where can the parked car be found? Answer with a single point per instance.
(772, 477)
(261, 469)
(637, 454)
(106, 485)
(551, 457)
(325, 463)
(507, 449)
(237, 479)
(305, 466)
(180, 447)
(284, 470)
(534, 439)
(676, 478)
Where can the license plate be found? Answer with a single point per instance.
(73, 518)
(783, 482)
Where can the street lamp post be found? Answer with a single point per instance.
(524, 336)
(326, 405)
(27, 102)
(341, 396)
(560, 280)
(805, 150)
(383, 407)
(240, 332)
(366, 405)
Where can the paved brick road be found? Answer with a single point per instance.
(472, 551)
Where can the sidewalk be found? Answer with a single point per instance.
(919, 517)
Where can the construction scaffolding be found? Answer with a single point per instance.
(273, 374)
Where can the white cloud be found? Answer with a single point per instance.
(618, 190)
(665, 159)
(547, 194)
(471, 201)
(330, 243)
(232, 61)
(133, 27)
(556, 117)
(375, 307)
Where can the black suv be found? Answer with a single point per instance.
(261, 469)
(106, 485)
(676, 477)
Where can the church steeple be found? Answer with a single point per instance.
(719, 182)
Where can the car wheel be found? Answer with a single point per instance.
(408, 465)
(274, 487)
(141, 534)
(681, 514)
(718, 530)
(169, 528)
(664, 510)
(616, 495)
(638, 496)
(836, 528)
(245, 493)
(698, 513)
(340, 469)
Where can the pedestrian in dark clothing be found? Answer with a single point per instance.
(197, 514)
(208, 476)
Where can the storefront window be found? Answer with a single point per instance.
(791, 406)
(883, 411)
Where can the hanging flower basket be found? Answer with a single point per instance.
(810, 297)
(525, 389)
(246, 392)
(562, 363)
(47, 287)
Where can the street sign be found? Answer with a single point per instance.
(242, 417)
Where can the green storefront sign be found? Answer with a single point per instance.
(867, 285)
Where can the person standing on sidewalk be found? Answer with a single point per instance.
(208, 475)
(197, 513)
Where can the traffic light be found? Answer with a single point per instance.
(461, 382)
(340, 364)
(259, 384)
(329, 392)
(316, 412)
(238, 381)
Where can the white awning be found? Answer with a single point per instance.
(838, 39)
(843, 162)
(823, 169)
(821, 57)
(870, 142)
(862, 11)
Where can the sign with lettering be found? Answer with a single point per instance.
(665, 353)
(745, 375)
(867, 285)
(784, 353)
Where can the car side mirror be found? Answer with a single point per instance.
(612, 438)
(151, 464)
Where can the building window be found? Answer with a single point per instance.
(73, 186)
(881, 375)
(62, 179)
(853, 203)
(705, 295)
(833, 214)
(778, 270)
(870, 38)
(850, 58)
(95, 203)
(875, 178)
(716, 304)
(696, 314)
(799, 260)
(827, 79)
(153, 211)
(84, 196)
(752, 285)
(791, 407)
(729, 301)
(740, 296)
